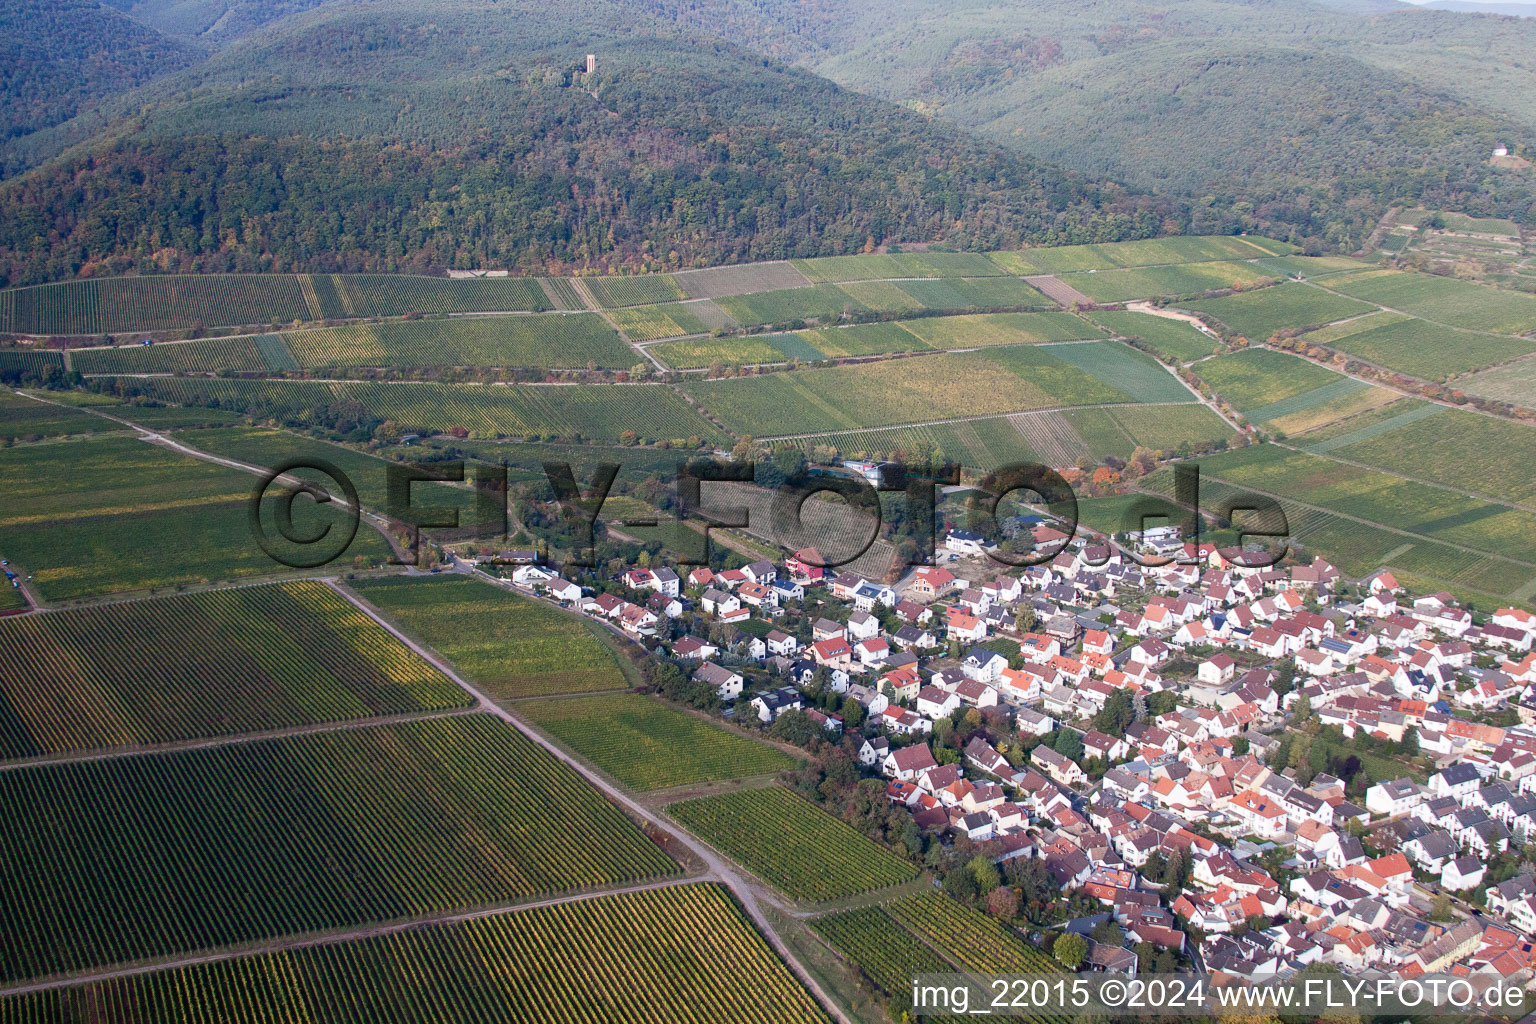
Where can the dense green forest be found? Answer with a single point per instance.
(397, 137)
(214, 135)
(60, 56)
(1283, 116)
(213, 21)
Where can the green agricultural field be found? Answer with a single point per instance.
(699, 353)
(1422, 349)
(933, 263)
(888, 296)
(1149, 253)
(1369, 424)
(1258, 314)
(862, 340)
(1175, 280)
(648, 745)
(103, 475)
(596, 412)
(339, 296)
(1125, 369)
(212, 664)
(23, 417)
(977, 330)
(878, 266)
(269, 448)
(549, 340)
(989, 382)
(206, 356)
(718, 282)
(636, 290)
(508, 645)
(1170, 427)
(985, 444)
(1256, 377)
(1458, 449)
(822, 301)
(1311, 267)
(1355, 325)
(1444, 300)
(646, 323)
(974, 293)
(173, 547)
(792, 844)
(1172, 339)
(163, 854)
(860, 267)
(173, 417)
(1312, 415)
(1285, 408)
(1514, 383)
(1380, 497)
(119, 514)
(640, 956)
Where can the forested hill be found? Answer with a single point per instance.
(215, 22)
(463, 133)
(58, 57)
(1300, 119)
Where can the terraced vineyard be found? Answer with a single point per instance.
(152, 855)
(268, 448)
(884, 952)
(638, 290)
(1425, 521)
(1258, 314)
(35, 362)
(352, 295)
(974, 330)
(973, 940)
(698, 353)
(644, 323)
(155, 303)
(861, 340)
(1146, 253)
(120, 514)
(979, 444)
(791, 843)
(1172, 281)
(1514, 383)
(508, 645)
(550, 340)
(1171, 339)
(1444, 300)
(1257, 378)
(207, 356)
(596, 412)
(988, 382)
(211, 664)
(650, 955)
(872, 266)
(1423, 349)
(974, 293)
(1123, 368)
(22, 417)
(648, 745)
(823, 301)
